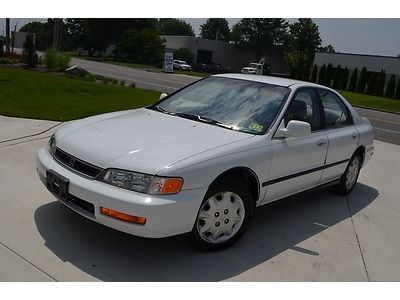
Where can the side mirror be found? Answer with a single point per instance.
(294, 129)
(163, 95)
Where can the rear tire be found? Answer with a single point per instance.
(350, 176)
(224, 215)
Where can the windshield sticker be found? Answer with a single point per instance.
(256, 127)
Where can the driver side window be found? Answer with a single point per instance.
(304, 107)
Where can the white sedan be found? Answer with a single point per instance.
(200, 160)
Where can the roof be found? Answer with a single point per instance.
(268, 79)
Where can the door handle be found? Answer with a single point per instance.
(321, 142)
(354, 135)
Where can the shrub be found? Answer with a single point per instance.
(5, 61)
(63, 60)
(380, 84)
(306, 72)
(353, 81)
(30, 56)
(390, 86)
(321, 74)
(362, 81)
(122, 82)
(328, 75)
(314, 74)
(344, 79)
(114, 81)
(397, 94)
(50, 58)
(57, 60)
(336, 78)
(132, 85)
(371, 85)
(184, 54)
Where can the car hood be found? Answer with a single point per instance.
(141, 140)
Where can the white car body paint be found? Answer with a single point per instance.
(154, 143)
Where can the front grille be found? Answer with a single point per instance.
(77, 164)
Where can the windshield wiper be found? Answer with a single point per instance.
(203, 120)
(160, 109)
(198, 118)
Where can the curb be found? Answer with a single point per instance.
(377, 109)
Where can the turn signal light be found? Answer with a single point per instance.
(122, 216)
(171, 186)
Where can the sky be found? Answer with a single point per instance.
(363, 36)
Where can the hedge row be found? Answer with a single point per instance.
(371, 83)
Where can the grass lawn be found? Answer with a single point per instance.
(31, 94)
(381, 103)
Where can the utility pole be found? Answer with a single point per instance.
(57, 33)
(7, 34)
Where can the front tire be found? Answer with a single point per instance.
(350, 176)
(224, 215)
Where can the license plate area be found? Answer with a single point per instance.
(57, 184)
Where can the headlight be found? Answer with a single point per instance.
(142, 183)
(51, 146)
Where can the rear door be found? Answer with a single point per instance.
(298, 162)
(343, 136)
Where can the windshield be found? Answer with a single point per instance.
(240, 105)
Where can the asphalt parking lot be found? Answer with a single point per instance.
(317, 236)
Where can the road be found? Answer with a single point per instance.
(386, 125)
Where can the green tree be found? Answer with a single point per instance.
(303, 40)
(321, 74)
(337, 76)
(264, 36)
(353, 80)
(380, 84)
(184, 54)
(215, 29)
(397, 93)
(390, 86)
(371, 85)
(314, 74)
(97, 34)
(363, 80)
(327, 49)
(141, 46)
(29, 51)
(171, 26)
(43, 33)
(328, 75)
(344, 79)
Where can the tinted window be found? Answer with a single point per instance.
(336, 113)
(304, 107)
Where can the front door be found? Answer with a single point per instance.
(297, 163)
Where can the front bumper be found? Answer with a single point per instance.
(165, 215)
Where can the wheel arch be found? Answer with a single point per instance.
(245, 175)
(361, 151)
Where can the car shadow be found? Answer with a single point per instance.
(111, 255)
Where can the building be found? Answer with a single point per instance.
(374, 63)
(228, 55)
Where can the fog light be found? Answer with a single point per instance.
(121, 216)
